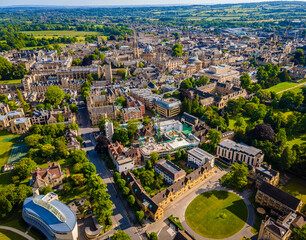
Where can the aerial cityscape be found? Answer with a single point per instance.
(152, 121)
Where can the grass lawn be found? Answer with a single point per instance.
(282, 86)
(216, 214)
(296, 140)
(10, 81)
(16, 221)
(297, 188)
(7, 235)
(6, 142)
(49, 34)
(232, 121)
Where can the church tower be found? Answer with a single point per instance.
(135, 48)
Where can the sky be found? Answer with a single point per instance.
(116, 2)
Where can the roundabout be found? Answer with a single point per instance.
(216, 214)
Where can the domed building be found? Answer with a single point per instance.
(195, 60)
(148, 53)
(50, 216)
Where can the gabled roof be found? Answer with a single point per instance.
(279, 195)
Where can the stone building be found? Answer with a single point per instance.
(153, 206)
(51, 176)
(276, 199)
(218, 94)
(232, 152)
(168, 107)
(169, 171)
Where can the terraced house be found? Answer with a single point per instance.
(153, 206)
(278, 200)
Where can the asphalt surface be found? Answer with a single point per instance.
(123, 218)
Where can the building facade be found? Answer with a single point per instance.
(232, 152)
(50, 216)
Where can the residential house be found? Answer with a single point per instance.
(51, 176)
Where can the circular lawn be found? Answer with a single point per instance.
(216, 214)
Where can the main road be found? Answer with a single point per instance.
(123, 218)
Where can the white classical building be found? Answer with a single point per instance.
(198, 157)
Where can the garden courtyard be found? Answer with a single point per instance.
(217, 214)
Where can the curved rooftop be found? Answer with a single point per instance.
(53, 213)
(148, 48)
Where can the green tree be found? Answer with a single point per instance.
(141, 65)
(79, 179)
(3, 98)
(131, 200)
(46, 190)
(154, 157)
(89, 169)
(168, 157)
(214, 136)
(125, 191)
(153, 236)
(281, 136)
(121, 183)
(148, 165)
(120, 235)
(23, 168)
(33, 140)
(6, 206)
(245, 80)
(139, 215)
(73, 107)
(121, 135)
(299, 234)
(288, 158)
(146, 120)
(54, 95)
(177, 50)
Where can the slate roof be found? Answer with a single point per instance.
(279, 195)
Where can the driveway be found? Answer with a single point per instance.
(178, 207)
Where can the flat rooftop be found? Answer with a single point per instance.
(240, 147)
(200, 153)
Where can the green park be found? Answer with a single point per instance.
(217, 214)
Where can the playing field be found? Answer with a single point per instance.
(18, 151)
(6, 142)
(216, 214)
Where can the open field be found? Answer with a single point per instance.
(8, 235)
(216, 214)
(282, 86)
(10, 81)
(296, 140)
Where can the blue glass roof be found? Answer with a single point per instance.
(48, 217)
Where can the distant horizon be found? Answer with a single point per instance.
(122, 3)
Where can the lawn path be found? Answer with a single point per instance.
(299, 85)
(17, 231)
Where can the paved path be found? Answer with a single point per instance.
(178, 207)
(302, 84)
(123, 218)
(17, 231)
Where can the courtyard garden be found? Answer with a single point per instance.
(216, 214)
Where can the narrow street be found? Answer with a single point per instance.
(121, 218)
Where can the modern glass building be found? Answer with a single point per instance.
(52, 217)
